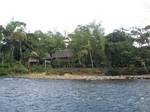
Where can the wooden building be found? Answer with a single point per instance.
(33, 59)
(64, 56)
(47, 59)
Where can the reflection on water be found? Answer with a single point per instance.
(28, 95)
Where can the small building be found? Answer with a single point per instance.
(47, 59)
(63, 54)
(63, 57)
(33, 59)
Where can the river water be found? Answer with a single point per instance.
(42, 95)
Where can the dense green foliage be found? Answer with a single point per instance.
(122, 52)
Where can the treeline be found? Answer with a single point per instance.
(120, 52)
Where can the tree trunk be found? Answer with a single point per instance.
(20, 52)
(45, 64)
(12, 53)
(92, 64)
(79, 61)
(144, 65)
(2, 59)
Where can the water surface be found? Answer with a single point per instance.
(41, 95)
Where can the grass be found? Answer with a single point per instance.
(18, 69)
(74, 71)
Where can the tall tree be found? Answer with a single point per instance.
(87, 42)
(119, 48)
(142, 35)
(16, 38)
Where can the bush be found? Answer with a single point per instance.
(141, 71)
(57, 72)
(148, 69)
(4, 65)
(112, 71)
(3, 72)
(59, 63)
(19, 68)
(127, 71)
(37, 68)
(74, 71)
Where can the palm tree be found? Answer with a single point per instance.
(16, 38)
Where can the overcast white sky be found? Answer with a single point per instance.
(65, 15)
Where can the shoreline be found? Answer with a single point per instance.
(81, 77)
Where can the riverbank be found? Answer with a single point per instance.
(68, 76)
(74, 74)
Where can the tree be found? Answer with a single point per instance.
(43, 43)
(119, 48)
(87, 42)
(142, 35)
(16, 39)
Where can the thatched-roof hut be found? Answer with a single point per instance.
(33, 59)
(47, 56)
(63, 54)
(47, 59)
(62, 58)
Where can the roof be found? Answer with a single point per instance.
(34, 54)
(66, 53)
(47, 56)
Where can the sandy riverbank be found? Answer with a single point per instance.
(79, 77)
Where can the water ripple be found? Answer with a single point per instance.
(39, 95)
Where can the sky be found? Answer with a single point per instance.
(65, 15)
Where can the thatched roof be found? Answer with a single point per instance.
(34, 54)
(33, 58)
(66, 53)
(47, 56)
